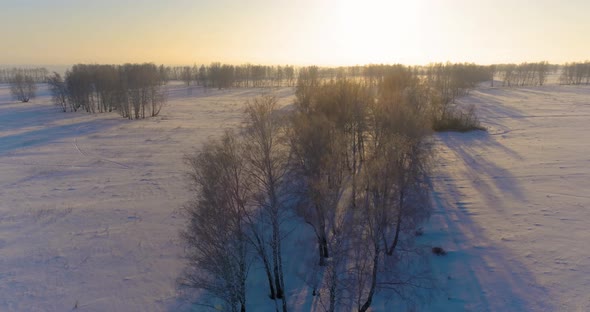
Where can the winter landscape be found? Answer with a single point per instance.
(233, 183)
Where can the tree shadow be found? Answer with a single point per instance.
(489, 275)
(491, 180)
(50, 134)
(491, 103)
(486, 276)
(15, 116)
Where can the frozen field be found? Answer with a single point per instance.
(513, 204)
(89, 203)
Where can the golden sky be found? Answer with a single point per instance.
(302, 32)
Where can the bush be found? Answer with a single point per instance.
(458, 120)
(22, 88)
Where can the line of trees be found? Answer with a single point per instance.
(455, 80)
(524, 74)
(348, 163)
(133, 90)
(217, 75)
(37, 75)
(575, 73)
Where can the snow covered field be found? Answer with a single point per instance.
(513, 205)
(89, 203)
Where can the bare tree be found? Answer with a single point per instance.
(395, 194)
(134, 90)
(59, 91)
(215, 236)
(542, 71)
(22, 87)
(187, 76)
(318, 152)
(267, 155)
(493, 69)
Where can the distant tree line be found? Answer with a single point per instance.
(575, 73)
(524, 74)
(133, 90)
(223, 76)
(455, 80)
(37, 75)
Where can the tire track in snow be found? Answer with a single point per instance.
(539, 116)
(83, 153)
(52, 165)
(517, 177)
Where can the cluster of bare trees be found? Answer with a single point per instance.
(361, 162)
(134, 90)
(23, 81)
(575, 73)
(348, 163)
(524, 74)
(239, 209)
(455, 80)
(22, 87)
(37, 75)
(217, 75)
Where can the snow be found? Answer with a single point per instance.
(89, 205)
(512, 204)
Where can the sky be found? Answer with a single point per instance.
(300, 32)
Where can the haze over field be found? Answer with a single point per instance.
(320, 32)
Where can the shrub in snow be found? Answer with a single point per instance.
(22, 87)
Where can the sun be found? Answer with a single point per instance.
(371, 31)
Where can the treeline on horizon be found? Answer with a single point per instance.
(138, 91)
(221, 76)
(38, 74)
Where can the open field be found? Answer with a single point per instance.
(89, 203)
(513, 203)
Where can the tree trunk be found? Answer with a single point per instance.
(281, 279)
(323, 249)
(321, 252)
(369, 300)
(398, 225)
(273, 294)
(333, 287)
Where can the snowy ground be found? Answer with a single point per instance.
(89, 203)
(513, 203)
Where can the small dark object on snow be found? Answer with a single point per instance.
(438, 251)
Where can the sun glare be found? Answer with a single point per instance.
(371, 31)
